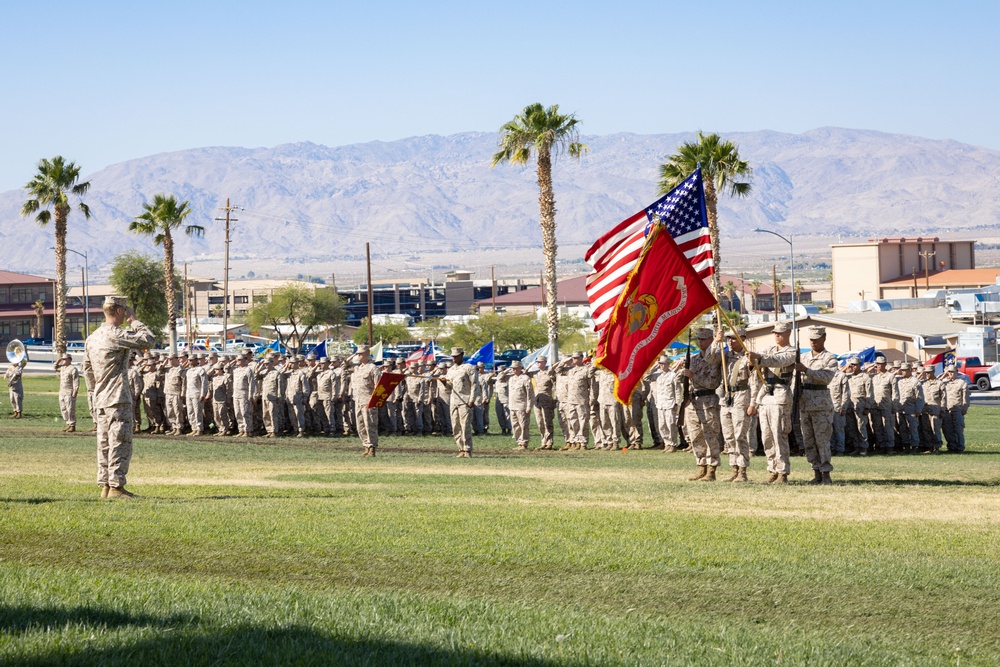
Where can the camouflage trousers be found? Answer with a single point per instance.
(503, 417)
(243, 410)
(775, 425)
(953, 422)
(175, 411)
(220, 415)
(67, 406)
(461, 421)
(576, 420)
(930, 430)
(701, 424)
(520, 421)
(367, 421)
(196, 414)
(272, 415)
(817, 430)
(114, 444)
(544, 413)
(608, 435)
(666, 424)
(883, 427)
(16, 400)
(736, 429)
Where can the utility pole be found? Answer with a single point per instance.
(493, 281)
(777, 294)
(927, 254)
(225, 273)
(187, 309)
(371, 307)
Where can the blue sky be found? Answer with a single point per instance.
(103, 82)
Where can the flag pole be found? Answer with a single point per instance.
(725, 317)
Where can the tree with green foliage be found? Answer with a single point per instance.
(509, 331)
(159, 220)
(545, 132)
(139, 277)
(721, 167)
(302, 308)
(390, 334)
(433, 328)
(52, 184)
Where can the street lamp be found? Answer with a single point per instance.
(791, 265)
(86, 291)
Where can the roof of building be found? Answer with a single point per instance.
(950, 278)
(926, 322)
(574, 291)
(11, 278)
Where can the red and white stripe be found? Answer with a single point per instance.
(613, 256)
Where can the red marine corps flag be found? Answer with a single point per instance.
(386, 384)
(663, 293)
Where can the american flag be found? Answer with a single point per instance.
(613, 256)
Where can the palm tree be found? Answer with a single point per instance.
(720, 167)
(39, 307)
(55, 180)
(545, 132)
(158, 220)
(730, 289)
(755, 286)
(779, 285)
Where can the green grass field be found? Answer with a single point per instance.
(302, 552)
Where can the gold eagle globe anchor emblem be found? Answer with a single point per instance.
(641, 311)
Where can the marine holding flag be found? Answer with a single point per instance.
(664, 292)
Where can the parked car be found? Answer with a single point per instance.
(508, 356)
(974, 370)
(36, 341)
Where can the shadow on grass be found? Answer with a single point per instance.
(919, 482)
(21, 618)
(183, 643)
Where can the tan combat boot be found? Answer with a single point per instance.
(817, 477)
(669, 448)
(71, 429)
(782, 478)
(710, 475)
(116, 492)
(702, 471)
(826, 479)
(104, 490)
(736, 473)
(773, 478)
(741, 476)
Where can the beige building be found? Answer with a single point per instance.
(873, 269)
(906, 334)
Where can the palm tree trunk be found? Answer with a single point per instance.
(168, 288)
(547, 220)
(711, 200)
(59, 334)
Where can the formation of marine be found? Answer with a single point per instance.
(720, 401)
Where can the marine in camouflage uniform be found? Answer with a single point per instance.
(69, 388)
(363, 380)
(578, 376)
(608, 434)
(742, 384)
(666, 389)
(930, 417)
(105, 365)
(521, 399)
(461, 380)
(885, 385)
(840, 394)
(816, 372)
(862, 392)
(701, 414)
(911, 400)
(545, 380)
(173, 391)
(956, 404)
(15, 389)
(774, 401)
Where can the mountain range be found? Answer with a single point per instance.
(305, 200)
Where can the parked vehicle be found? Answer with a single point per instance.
(973, 369)
(36, 341)
(508, 356)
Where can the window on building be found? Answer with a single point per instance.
(4, 295)
(260, 298)
(5, 329)
(241, 299)
(22, 328)
(22, 295)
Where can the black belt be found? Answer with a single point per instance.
(704, 392)
(816, 387)
(738, 387)
(776, 381)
